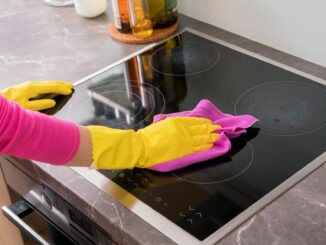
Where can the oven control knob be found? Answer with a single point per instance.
(46, 200)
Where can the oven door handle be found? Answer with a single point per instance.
(15, 213)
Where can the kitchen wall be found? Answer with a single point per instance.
(297, 27)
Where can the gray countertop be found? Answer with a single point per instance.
(39, 42)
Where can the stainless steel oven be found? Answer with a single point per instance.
(61, 222)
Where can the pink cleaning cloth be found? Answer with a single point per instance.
(231, 127)
(36, 136)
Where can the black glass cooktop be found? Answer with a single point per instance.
(175, 76)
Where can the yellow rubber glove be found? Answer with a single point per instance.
(165, 140)
(26, 94)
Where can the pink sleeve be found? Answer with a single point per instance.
(36, 136)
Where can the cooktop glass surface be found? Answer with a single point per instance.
(174, 76)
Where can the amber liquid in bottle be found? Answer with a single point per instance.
(121, 15)
(163, 13)
(140, 23)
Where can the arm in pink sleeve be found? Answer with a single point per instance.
(36, 136)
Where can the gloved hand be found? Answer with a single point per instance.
(160, 142)
(26, 94)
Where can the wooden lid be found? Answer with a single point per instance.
(158, 34)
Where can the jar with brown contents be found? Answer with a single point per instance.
(121, 15)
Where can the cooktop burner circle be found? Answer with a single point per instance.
(116, 105)
(284, 108)
(185, 59)
(220, 169)
(133, 105)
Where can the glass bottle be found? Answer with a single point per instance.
(163, 13)
(121, 15)
(140, 23)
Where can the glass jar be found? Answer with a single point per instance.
(163, 13)
(121, 15)
(140, 23)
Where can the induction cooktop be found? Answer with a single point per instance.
(204, 202)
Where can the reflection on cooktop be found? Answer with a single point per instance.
(131, 104)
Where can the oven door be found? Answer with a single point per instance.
(63, 223)
(20, 210)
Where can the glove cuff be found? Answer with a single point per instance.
(141, 149)
(115, 148)
(6, 93)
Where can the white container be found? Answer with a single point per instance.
(90, 8)
(59, 3)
